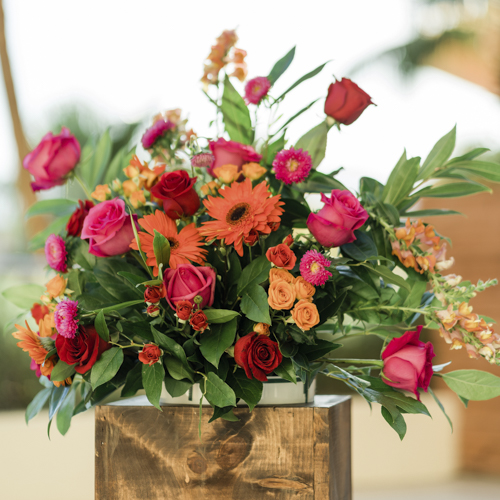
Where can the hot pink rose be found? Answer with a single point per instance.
(52, 160)
(188, 281)
(335, 223)
(108, 229)
(231, 153)
(407, 363)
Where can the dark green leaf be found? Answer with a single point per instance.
(118, 307)
(38, 403)
(438, 155)
(161, 247)
(388, 275)
(314, 72)
(101, 327)
(215, 316)
(295, 211)
(133, 382)
(401, 180)
(254, 305)
(398, 423)
(177, 369)
(254, 274)
(56, 399)
(152, 380)
(250, 390)
(322, 348)
(455, 190)
(58, 207)
(177, 388)
(216, 340)
(281, 66)
(286, 371)
(318, 183)
(431, 212)
(235, 114)
(134, 279)
(314, 142)
(218, 393)
(106, 367)
(62, 371)
(361, 249)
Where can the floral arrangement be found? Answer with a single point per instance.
(203, 261)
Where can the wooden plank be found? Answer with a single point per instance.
(274, 452)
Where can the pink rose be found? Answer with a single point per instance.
(407, 363)
(231, 153)
(188, 281)
(335, 223)
(52, 160)
(108, 229)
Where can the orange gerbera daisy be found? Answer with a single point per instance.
(184, 246)
(239, 210)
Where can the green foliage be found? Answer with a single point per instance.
(236, 116)
(473, 385)
(438, 155)
(216, 316)
(249, 390)
(60, 207)
(161, 247)
(217, 392)
(23, 296)
(254, 304)
(254, 274)
(307, 76)
(314, 142)
(55, 227)
(216, 340)
(65, 413)
(361, 249)
(281, 66)
(152, 380)
(286, 371)
(101, 327)
(38, 402)
(133, 381)
(106, 367)
(62, 371)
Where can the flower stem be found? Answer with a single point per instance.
(82, 184)
(353, 361)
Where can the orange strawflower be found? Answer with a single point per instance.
(184, 246)
(239, 209)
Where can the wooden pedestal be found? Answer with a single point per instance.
(276, 452)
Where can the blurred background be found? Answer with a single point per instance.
(94, 65)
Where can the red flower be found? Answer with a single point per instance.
(75, 223)
(407, 363)
(178, 194)
(183, 309)
(258, 355)
(282, 256)
(83, 350)
(153, 294)
(199, 321)
(346, 101)
(38, 311)
(150, 354)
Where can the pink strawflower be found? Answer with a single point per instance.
(202, 160)
(55, 253)
(154, 132)
(313, 268)
(65, 318)
(256, 89)
(292, 165)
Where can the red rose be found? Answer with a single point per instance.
(288, 240)
(178, 194)
(335, 223)
(38, 311)
(258, 355)
(199, 321)
(231, 153)
(282, 256)
(346, 101)
(407, 363)
(183, 309)
(153, 294)
(188, 281)
(52, 160)
(251, 238)
(83, 350)
(274, 226)
(150, 354)
(75, 223)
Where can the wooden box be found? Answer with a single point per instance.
(275, 452)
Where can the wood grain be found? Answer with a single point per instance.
(300, 452)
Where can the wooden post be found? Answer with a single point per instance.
(277, 452)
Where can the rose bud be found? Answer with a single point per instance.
(261, 329)
(274, 226)
(251, 238)
(199, 321)
(346, 101)
(150, 354)
(258, 355)
(281, 256)
(288, 240)
(178, 194)
(153, 311)
(153, 294)
(335, 223)
(52, 160)
(75, 223)
(183, 309)
(407, 363)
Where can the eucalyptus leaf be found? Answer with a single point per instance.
(38, 402)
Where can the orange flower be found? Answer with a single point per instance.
(129, 187)
(131, 171)
(46, 325)
(406, 234)
(184, 246)
(304, 289)
(276, 274)
(261, 329)
(281, 295)
(56, 286)
(137, 199)
(240, 72)
(426, 263)
(305, 314)
(406, 257)
(210, 188)
(30, 343)
(448, 317)
(239, 56)
(253, 171)
(227, 173)
(101, 192)
(239, 209)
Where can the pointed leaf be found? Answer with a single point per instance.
(215, 316)
(59, 207)
(254, 274)
(438, 155)
(250, 390)
(455, 190)
(152, 380)
(38, 403)
(474, 385)
(314, 142)
(281, 66)
(62, 371)
(106, 367)
(24, 296)
(254, 305)
(314, 72)
(161, 247)
(65, 413)
(216, 340)
(236, 115)
(101, 327)
(218, 393)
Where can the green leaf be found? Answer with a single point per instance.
(215, 316)
(296, 115)
(176, 388)
(294, 212)
(133, 382)
(38, 403)
(216, 340)
(62, 371)
(281, 66)
(134, 279)
(177, 369)
(120, 161)
(455, 190)
(152, 380)
(23, 296)
(100, 160)
(270, 150)
(65, 413)
(118, 307)
(486, 170)
(388, 275)
(473, 385)
(55, 227)
(314, 142)
(254, 274)
(101, 327)
(401, 180)
(468, 156)
(218, 393)
(250, 390)
(318, 182)
(430, 213)
(254, 305)
(441, 407)
(314, 72)
(161, 247)
(398, 423)
(438, 155)
(59, 207)
(235, 114)
(56, 400)
(106, 367)
(322, 348)
(286, 371)
(361, 249)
